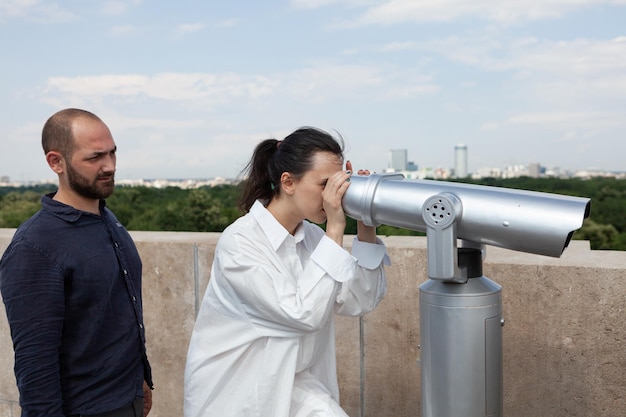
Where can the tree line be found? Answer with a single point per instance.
(212, 209)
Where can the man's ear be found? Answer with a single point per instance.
(287, 183)
(56, 161)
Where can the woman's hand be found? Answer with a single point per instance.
(332, 195)
(364, 233)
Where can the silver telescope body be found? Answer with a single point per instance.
(526, 221)
(461, 309)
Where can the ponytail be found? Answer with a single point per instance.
(258, 184)
(272, 157)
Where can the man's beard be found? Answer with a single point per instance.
(88, 188)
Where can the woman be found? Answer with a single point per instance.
(263, 343)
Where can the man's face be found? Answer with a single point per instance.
(92, 188)
(91, 168)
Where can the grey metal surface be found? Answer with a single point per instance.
(461, 348)
(460, 309)
(526, 221)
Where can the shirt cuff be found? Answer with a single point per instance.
(370, 255)
(334, 260)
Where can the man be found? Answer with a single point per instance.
(71, 284)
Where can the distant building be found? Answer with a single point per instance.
(534, 170)
(398, 160)
(460, 161)
(514, 171)
(487, 172)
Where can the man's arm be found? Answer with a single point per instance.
(33, 293)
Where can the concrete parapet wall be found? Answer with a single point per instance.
(564, 337)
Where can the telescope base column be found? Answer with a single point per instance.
(461, 348)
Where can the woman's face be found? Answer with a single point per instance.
(308, 189)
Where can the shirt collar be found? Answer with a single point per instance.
(274, 231)
(64, 211)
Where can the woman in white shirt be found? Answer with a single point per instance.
(263, 344)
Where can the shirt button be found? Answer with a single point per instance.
(125, 272)
(140, 326)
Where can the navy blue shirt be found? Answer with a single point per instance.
(71, 285)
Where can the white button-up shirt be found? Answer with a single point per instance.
(264, 338)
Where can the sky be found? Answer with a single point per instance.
(188, 88)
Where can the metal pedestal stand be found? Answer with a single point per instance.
(460, 324)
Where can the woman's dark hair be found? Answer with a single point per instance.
(272, 157)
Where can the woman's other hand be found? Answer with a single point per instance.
(364, 233)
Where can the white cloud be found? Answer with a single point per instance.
(187, 28)
(577, 69)
(501, 11)
(122, 30)
(582, 57)
(318, 83)
(165, 86)
(330, 82)
(312, 4)
(118, 7)
(36, 10)
(228, 23)
(577, 58)
(315, 4)
(582, 119)
(398, 46)
(56, 12)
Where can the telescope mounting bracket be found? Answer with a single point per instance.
(441, 212)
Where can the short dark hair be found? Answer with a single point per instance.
(272, 157)
(57, 131)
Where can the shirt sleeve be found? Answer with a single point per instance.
(370, 255)
(33, 293)
(362, 294)
(277, 302)
(334, 260)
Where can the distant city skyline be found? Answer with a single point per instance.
(399, 161)
(396, 159)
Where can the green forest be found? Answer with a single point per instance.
(211, 209)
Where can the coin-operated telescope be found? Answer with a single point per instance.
(461, 309)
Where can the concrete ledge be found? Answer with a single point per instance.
(564, 352)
